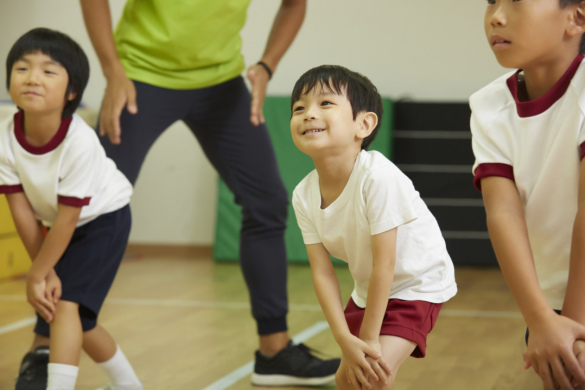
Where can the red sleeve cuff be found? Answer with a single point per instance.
(582, 149)
(75, 202)
(11, 189)
(492, 169)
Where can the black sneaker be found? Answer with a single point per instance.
(295, 365)
(33, 370)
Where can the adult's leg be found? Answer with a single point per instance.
(158, 108)
(244, 157)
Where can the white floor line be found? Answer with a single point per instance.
(247, 368)
(17, 325)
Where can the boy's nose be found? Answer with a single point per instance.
(498, 17)
(32, 77)
(310, 114)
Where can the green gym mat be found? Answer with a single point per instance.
(229, 219)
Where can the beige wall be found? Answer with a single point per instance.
(421, 50)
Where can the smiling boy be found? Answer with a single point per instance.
(54, 171)
(528, 139)
(358, 206)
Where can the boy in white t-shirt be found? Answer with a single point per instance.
(359, 207)
(54, 171)
(528, 130)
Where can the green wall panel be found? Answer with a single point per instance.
(294, 166)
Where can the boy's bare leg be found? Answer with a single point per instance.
(66, 334)
(39, 341)
(395, 351)
(98, 344)
(273, 343)
(103, 350)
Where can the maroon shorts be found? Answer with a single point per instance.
(410, 320)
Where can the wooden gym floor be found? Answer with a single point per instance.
(184, 322)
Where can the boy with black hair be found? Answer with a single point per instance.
(53, 170)
(359, 207)
(528, 130)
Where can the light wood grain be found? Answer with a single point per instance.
(160, 310)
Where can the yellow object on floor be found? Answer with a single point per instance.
(14, 260)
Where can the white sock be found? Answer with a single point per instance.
(120, 371)
(61, 376)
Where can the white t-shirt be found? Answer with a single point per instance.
(539, 145)
(378, 197)
(70, 169)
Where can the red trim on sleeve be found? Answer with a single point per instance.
(11, 189)
(582, 148)
(75, 202)
(492, 169)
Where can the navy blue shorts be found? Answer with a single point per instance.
(89, 265)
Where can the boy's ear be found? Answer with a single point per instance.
(577, 22)
(70, 96)
(367, 122)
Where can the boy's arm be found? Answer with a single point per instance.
(287, 22)
(384, 253)
(30, 234)
(55, 242)
(326, 285)
(120, 90)
(384, 256)
(573, 306)
(26, 224)
(50, 252)
(551, 336)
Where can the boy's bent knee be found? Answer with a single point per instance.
(67, 305)
(341, 380)
(66, 309)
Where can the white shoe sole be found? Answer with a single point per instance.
(287, 380)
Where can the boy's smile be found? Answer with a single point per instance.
(323, 120)
(38, 84)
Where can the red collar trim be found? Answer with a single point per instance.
(49, 146)
(543, 103)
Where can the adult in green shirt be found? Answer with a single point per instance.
(181, 60)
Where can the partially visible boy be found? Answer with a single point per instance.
(358, 206)
(528, 131)
(53, 170)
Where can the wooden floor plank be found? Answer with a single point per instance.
(185, 323)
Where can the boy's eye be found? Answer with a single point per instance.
(491, 1)
(298, 108)
(326, 103)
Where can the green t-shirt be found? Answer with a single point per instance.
(181, 44)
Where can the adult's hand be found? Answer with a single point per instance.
(258, 77)
(120, 93)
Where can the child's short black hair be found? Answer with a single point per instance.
(361, 93)
(565, 3)
(61, 48)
